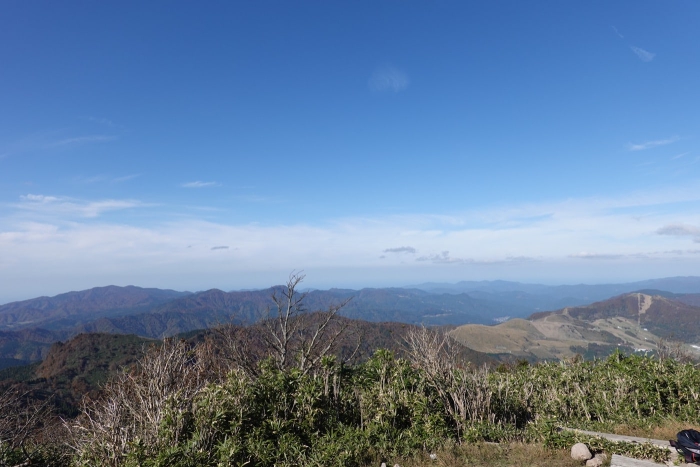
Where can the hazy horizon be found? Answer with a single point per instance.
(306, 286)
(370, 144)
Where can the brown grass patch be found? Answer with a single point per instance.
(667, 430)
(494, 455)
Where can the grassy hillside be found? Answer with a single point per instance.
(632, 322)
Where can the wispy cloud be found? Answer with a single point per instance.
(443, 258)
(681, 230)
(53, 140)
(105, 178)
(258, 199)
(617, 32)
(101, 121)
(678, 156)
(644, 55)
(652, 144)
(221, 247)
(57, 206)
(125, 178)
(388, 79)
(38, 198)
(401, 249)
(82, 140)
(199, 184)
(603, 256)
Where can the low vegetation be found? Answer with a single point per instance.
(300, 401)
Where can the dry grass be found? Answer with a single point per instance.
(666, 431)
(529, 455)
(495, 455)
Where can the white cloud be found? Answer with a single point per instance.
(388, 79)
(643, 55)
(652, 144)
(199, 184)
(645, 233)
(61, 207)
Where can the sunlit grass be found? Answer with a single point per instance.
(493, 455)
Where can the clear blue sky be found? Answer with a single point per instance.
(193, 145)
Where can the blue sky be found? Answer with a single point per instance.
(370, 143)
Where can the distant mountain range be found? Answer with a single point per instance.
(538, 297)
(27, 328)
(72, 308)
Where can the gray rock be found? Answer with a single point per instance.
(580, 452)
(595, 462)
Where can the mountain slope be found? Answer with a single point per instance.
(664, 317)
(72, 308)
(632, 321)
(75, 368)
(26, 344)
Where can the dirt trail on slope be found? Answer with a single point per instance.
(645, 303)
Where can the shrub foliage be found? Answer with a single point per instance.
(381, 409)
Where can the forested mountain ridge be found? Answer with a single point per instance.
(71, 308)
(28, 328)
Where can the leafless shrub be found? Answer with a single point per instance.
(465, 391)
(136, 403)
(21, 418)
(668, 348)
(238, 348)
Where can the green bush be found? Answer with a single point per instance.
(388, 408)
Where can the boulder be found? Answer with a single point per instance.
(580, 452)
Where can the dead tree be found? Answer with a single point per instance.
(297, 337)
(672, 349)
(288, 333)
